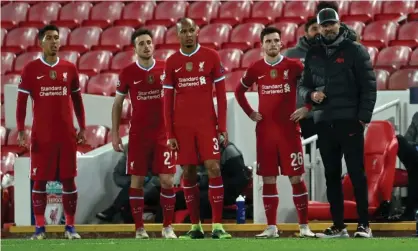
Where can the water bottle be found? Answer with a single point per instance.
(54, 209)
(240, 203)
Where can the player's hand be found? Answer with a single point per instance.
(299, 114)
(225, 138)
(172, 144)
(318, 97)
(81, 138)
(21, 139)
(117, 142)
(256, 116)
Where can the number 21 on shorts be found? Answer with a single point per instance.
(168, 159)
(297, 159)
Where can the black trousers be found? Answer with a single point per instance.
(307, 127)
(335, 139)
(408, 154)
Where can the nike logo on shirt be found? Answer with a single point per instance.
(137, 82)
(39, 77)
(261, 77)
(177, 70)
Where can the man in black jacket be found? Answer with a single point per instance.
(408, 154)
(339, 80)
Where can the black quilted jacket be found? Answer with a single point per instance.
(343, 71)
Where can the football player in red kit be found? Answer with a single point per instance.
(192, 126)
(279, 146)
(53, 85)
(147, 139)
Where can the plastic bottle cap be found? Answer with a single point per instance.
(240, 198)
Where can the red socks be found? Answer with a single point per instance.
(39, 202)
(69, 200)
(167, 201)
(136, 201)
(216, 198)
(191, 195)
(300, 198)
(271, 203)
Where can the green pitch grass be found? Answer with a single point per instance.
(378, 244)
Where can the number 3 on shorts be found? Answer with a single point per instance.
(215, 145)
(297, 159)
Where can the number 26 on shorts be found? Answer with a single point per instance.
(297, 159)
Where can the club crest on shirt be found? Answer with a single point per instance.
(286, 74)
(202, 66)
(53, 75)
(162, 77)
(273, 73)
(189, 66)
(64, 77)
(150, 79)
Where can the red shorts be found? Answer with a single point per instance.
(149, 153)
(279, 152)
(53, 161)
(196, 144)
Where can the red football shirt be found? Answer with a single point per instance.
(145, 90)
(192, 76)
(50, 87)
(277, 88)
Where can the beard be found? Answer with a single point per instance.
(272, 53)
(330, 36)
(313, 38)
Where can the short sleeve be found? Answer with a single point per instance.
(167, 79)
(75, 84)
(218, 71)
(249, 77)
(122, 85)
(25, 85)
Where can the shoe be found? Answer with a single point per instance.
(195, 233)
(70, 233)
(363, 232)
(168, 233)
(269, 232)
(141, 234)
(334, 232)
(39, 234)
(305, 231)
(218, 232)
